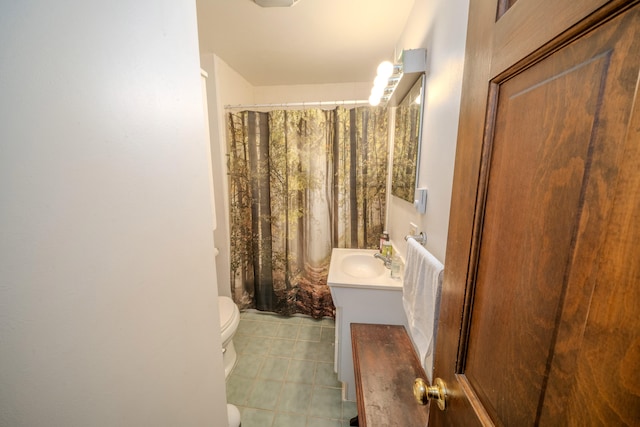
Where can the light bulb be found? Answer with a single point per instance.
(377, 91)
(374, 100)
(385, 69)
(380, 81)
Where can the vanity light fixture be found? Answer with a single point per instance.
(392, 78)
(387, 78)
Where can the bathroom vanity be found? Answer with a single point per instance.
(363, 292)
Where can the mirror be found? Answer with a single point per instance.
(406, 142)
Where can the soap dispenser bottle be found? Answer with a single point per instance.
(384, 237)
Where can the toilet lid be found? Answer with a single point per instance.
(227, 308)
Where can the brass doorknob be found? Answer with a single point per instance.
(424, 392)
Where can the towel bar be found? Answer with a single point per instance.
(420, 238)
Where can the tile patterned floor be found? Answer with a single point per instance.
(284, 375)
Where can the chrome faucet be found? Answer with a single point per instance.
(385, 259)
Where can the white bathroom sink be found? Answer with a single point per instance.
(362, 266)
(359, 268)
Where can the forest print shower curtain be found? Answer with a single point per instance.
(301, 182)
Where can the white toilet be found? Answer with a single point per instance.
(229, 321)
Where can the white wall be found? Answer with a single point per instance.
(108, 302)
(313, 93)
(440, 27)
(224, 86)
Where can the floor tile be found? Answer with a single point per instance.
(257, 328)
(313, 351)
(281, 347)
(246, 327)
(326, 321)
(274, 368)
(309, 333)
(323, 422)
(248, 365)
(292, 320)
(349, 410)
(326, 352)
(288, 420)
(240, 342)
(264, 394)
(326, 402)
(328, 334)
(311, 321)
(248, 314)
(238, 389)
(256, 418)
(294, 398)
(307, 350)
(257, 346)
(255, 315)
(288, 331)
(301, 371)
(325, 375)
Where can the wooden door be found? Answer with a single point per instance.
(540, 317)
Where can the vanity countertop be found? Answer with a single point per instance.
(357, 268)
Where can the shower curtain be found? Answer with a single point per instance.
(301, 182)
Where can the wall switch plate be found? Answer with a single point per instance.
(420, 200)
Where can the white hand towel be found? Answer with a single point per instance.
(421, 299)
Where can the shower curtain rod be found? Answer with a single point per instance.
(297, 104)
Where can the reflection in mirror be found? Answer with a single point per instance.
(406, 143)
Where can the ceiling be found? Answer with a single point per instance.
(312, 42)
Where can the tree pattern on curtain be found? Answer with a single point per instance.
(302, 182)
